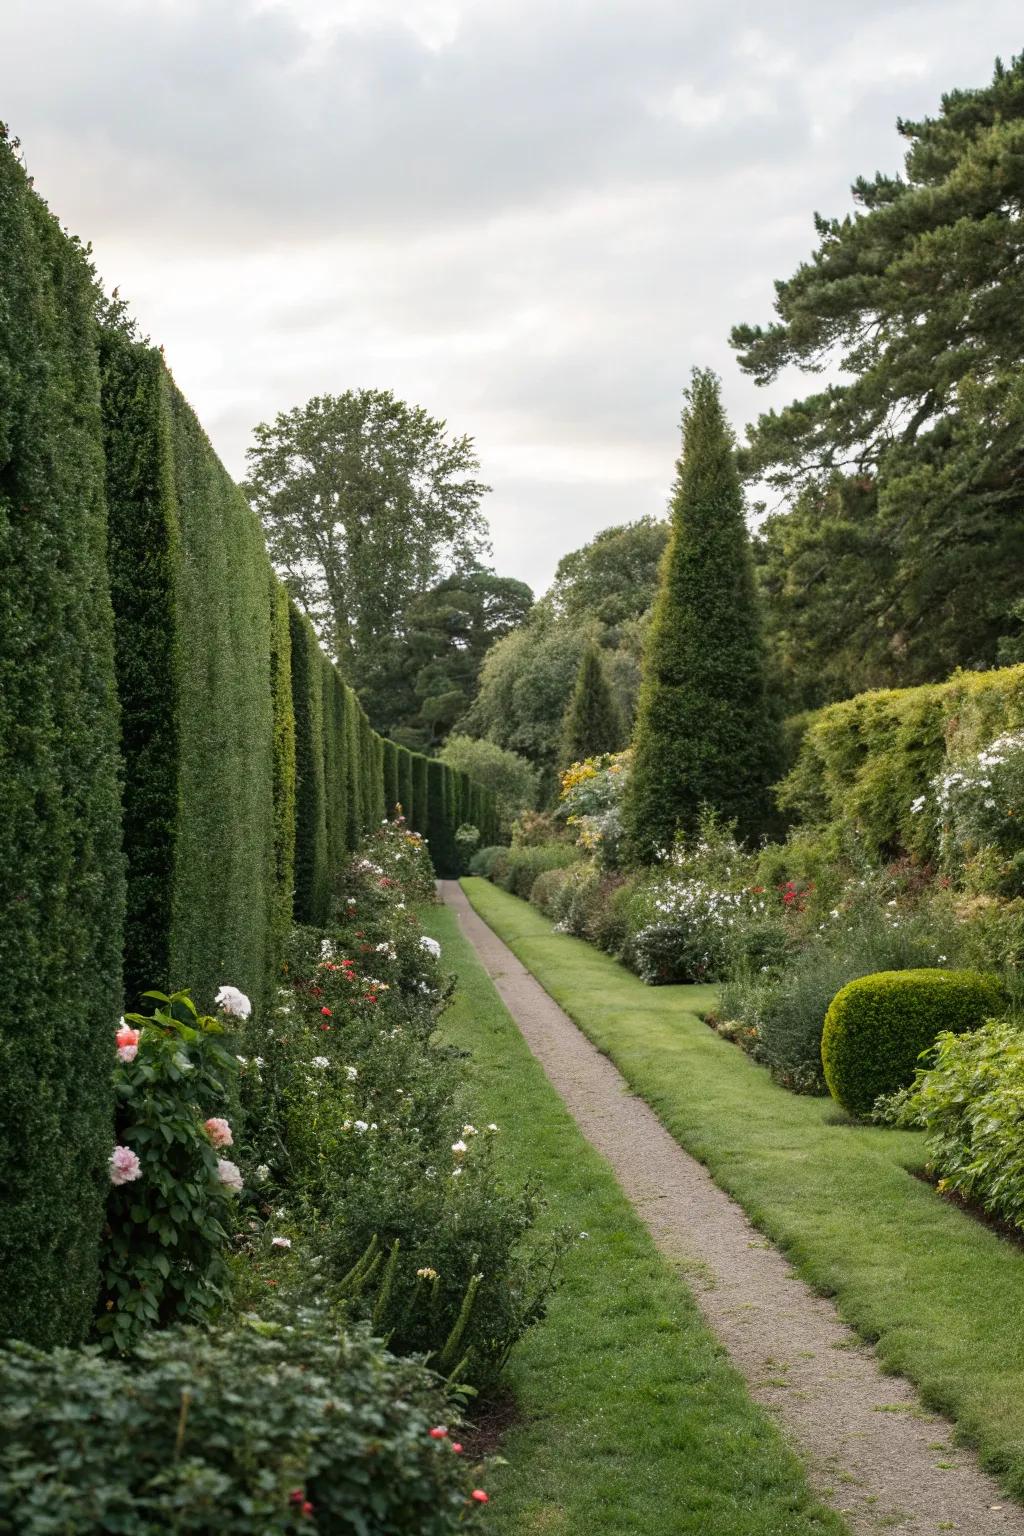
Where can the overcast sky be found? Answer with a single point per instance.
(532, 218)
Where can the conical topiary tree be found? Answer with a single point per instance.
(592, 721)
(705, 736)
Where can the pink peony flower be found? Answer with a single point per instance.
(124, 1166)
(127, 1043)
(229, 1174)
(219, 1132)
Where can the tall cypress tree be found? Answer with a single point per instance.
(592, 722)
(705, 735)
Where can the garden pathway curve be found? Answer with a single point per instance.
(871, 1451)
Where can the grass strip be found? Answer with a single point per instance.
(937, 1292)
(633, 1419)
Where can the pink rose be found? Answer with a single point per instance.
(219, 1132)
(124, 1166)
(127, 1043)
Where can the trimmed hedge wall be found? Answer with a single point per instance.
(61, 870)
(241, 767)
(194, 672)
(877, 1027)
(861, 764)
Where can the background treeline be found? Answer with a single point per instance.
(181, 767)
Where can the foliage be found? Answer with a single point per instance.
(199, 713)
(877, 1028)
(592, 793)
(914, 302)
(509, 776)
(365, 501)
(61, 871)
(612, 579)
(421, 679)
(592, 724)
(484, 860)
(434, 1255)
(866, 766)
(601, 592)
(980, 808)
(778, 1013)
(704, 737)
(525, 683)
(967, 1100)
(272, 1427)
(519, 867)
(163, 1256)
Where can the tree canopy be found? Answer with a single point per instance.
(913, 305)
(367, 503)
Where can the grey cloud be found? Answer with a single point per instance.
(534, 227)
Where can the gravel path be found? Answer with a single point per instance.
(871, 1450)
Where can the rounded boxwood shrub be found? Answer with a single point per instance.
(877, 1027)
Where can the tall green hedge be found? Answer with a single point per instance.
(241, 767)
(203, 845)
(389, 774)
(283, 889)
(405, 788)
(61, 871)
(861, 764)
(312, 880)
(420, 794)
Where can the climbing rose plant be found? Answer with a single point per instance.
(171, 1188)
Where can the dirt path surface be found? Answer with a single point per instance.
(871, 1450)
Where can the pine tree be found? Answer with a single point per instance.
(705, 735)
(592, 722)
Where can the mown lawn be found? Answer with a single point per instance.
(632, 1419)
(940, 1294)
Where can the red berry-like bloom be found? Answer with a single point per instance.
(439, 1432)
(457, 1448)
(479, 1495)
(307, 1510)
(327, 1013)
(296, 1496)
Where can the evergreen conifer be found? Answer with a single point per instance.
(705, 735)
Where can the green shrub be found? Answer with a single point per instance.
(877, 1028)
(420, 816)
(864, 764)
(546, 891)
(437, 1254)
(967, 1100)
(779, 1012)
(483, 861)
(171, 1193)
(61, 870)
(281, 1426)
(521, 866)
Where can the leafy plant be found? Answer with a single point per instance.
(967, 1101)
(169, 1207)
(279, 1426)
